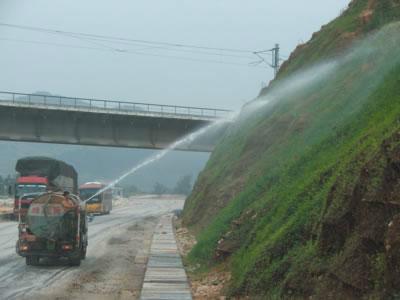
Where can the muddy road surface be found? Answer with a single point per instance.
(115, 263)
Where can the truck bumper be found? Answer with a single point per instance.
(56, 253)
(48, 253)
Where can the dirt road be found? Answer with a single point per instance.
(115, 263)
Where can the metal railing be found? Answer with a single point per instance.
(50, 101)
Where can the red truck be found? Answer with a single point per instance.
(39, 175)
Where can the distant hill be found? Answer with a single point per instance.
(105, 164)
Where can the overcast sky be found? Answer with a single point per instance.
(251, 25)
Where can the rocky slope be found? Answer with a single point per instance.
(301, 198)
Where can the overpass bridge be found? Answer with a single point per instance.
(80, 121)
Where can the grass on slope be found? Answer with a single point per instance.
(301, 197)
(346, 120)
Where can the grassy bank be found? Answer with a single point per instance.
(281, 198)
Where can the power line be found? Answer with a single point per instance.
(106, 37)
(54, 44)
(124, 51)
(101, 42)
(167, 48)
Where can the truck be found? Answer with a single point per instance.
(55, 226)
(99, 204)
(39, 175)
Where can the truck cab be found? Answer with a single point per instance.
(38, 175)
(26, 188)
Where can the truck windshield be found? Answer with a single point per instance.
(29, 189)
(87, 193)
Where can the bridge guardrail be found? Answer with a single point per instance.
(84, 104)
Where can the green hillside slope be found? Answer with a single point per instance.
(301, 198)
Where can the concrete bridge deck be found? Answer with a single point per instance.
(67, 120)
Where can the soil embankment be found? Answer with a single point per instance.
(301, 197)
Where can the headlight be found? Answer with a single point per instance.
(23, 248)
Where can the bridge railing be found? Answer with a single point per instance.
(51, 101)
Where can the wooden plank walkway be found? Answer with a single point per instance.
(165, 276)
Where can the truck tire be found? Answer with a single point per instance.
(83, 252)
(32, 260)
(75, 261)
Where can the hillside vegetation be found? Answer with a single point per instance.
(302, 196)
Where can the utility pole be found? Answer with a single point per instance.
(275, 59)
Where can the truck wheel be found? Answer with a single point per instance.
(83, 252)
(35, 260)
(75, 261)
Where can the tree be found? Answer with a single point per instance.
(6, 184)
(2, 186)
(131, 190)
(160, 189)
(183, 186)
(9, 183)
